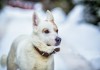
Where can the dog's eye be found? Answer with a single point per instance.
(56, 31)
(46, 31)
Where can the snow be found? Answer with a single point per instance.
(80, 41)
(83, 37)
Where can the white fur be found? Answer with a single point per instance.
(27, 57)
(41, 24)
(24, 56)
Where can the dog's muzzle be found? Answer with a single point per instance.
(58, 41)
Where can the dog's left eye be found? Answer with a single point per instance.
(46, 31)
(56, 31)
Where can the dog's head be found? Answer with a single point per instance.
(46, 30)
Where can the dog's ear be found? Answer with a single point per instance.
(36, 19)
(49, 16)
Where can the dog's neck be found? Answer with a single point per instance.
(43, 53)
(35, 35)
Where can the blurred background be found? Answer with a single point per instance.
(78, 22)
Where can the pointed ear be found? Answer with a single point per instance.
(36, 19)
(49, 16)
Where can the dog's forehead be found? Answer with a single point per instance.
(48, 24)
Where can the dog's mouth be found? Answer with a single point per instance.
(57, 43)
(48, 45)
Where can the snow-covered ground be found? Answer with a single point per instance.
(80, 41)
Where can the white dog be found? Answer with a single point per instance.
(34, 52)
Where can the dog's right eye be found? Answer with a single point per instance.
(46, 31)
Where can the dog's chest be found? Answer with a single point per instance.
(43, 63)
(34, 61)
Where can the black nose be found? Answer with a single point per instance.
(58, 39)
